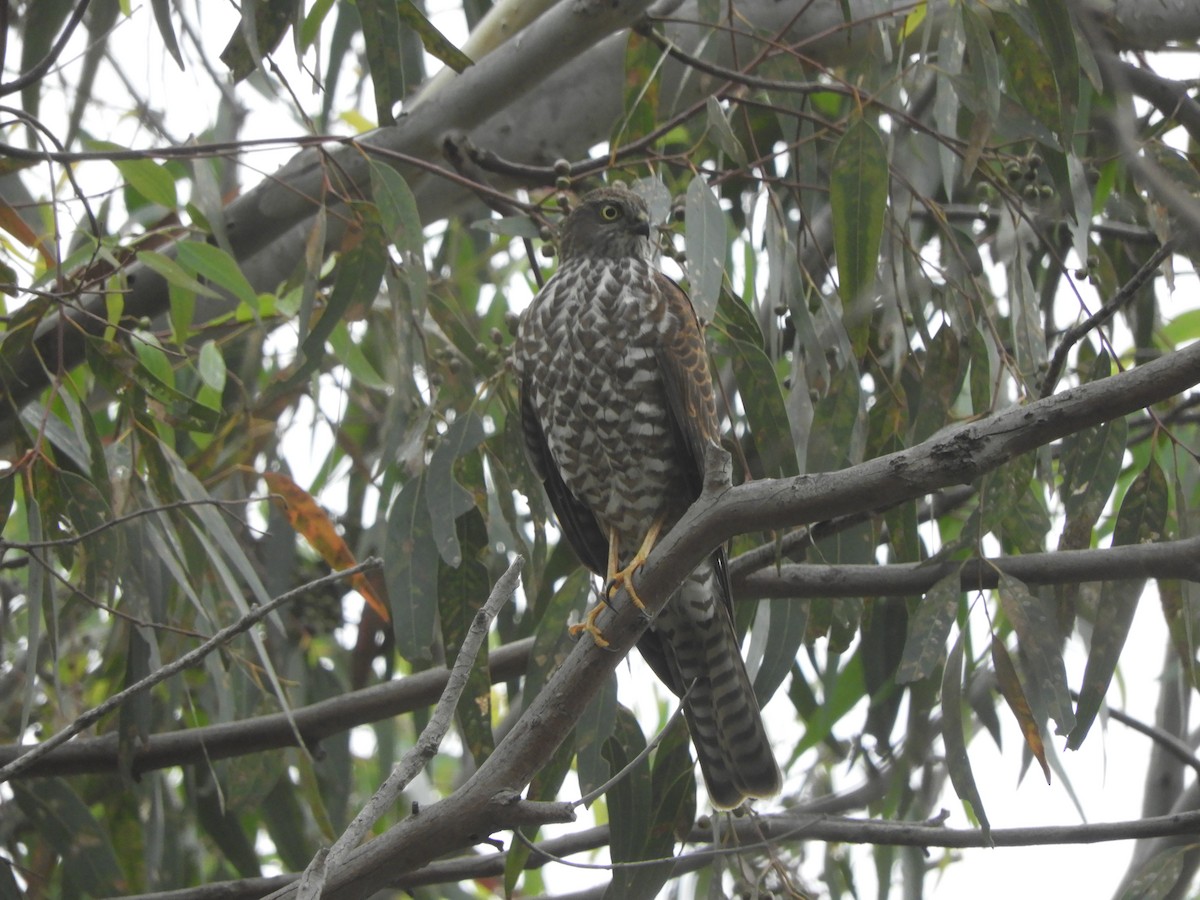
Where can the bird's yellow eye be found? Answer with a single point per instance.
(609, 212)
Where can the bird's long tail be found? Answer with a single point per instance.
(722, 713)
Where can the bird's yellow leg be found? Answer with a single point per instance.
(589, 625)
(618, 578)
(624, 577)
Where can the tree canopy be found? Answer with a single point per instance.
(270, 541)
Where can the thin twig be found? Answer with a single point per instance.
(1127, 292)
(625, 770)
(186, 661)
(411, 764)
(122, 519)
(1169, 742)
(39, 71)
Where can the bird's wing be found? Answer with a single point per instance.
(576, 520)
(687, 382)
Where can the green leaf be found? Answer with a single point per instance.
(410, 569)
(398, 211)
(643, 59)
(551, 640)
(594, 729)
(844, 689)
(211, 365)
(8, 486)
(835, 420)
(721, 133)
(210, 262)
(1158, 877)
(150, 180)
(174, 273)
(672, 804)
(153, 358)
(263, 25)
(1041, 650)
(1030, 74)
(310, 29)
(1009, 685)
(349, 353)
(381, 34)
(706, 242)
(928, 629)
(63, 821)
(463, 591)
(1141, 519)
(283, 816)
(1090, 463)
(445, 497)
(1058, 39)
(759, 391)
(983, 70)
(858, 195)
(166, 30)
(954, 736)
(356, 284)
(629, 809)
(941, 380)
(785, 627)
(432, 39)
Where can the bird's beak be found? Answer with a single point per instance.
(641, 226)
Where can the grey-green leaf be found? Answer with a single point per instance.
(957, 762)
(410, 567)
(928, 629)
(445, 497)
(1142, 517)
(858, 193)
(706, 245)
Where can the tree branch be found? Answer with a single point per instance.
(189, 659)
(958, 456)
(426, 747)
(1169, 559)
(315, 722)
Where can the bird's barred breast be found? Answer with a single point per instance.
(599, 393)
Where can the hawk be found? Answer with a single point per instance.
(617, 409)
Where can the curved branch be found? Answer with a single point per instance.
(956, 457)
(43, 66)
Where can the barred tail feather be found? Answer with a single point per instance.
(721, 710)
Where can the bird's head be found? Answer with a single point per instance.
(611, 222)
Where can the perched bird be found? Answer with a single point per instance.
(617, 409)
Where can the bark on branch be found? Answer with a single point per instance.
(958, 456)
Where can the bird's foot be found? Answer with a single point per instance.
(624, 579)
(589, 625)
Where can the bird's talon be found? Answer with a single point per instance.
(624, 579)
(589, 625)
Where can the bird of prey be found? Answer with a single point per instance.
(617, 408)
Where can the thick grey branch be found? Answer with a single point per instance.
(956, 457)
(426, 747)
